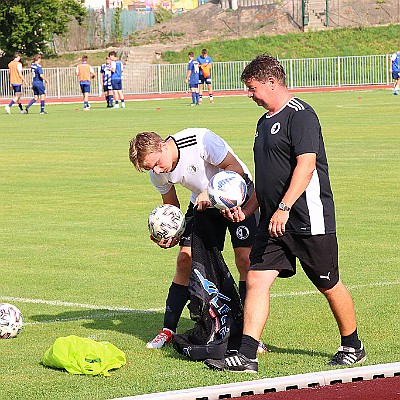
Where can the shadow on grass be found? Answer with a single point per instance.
(280, 350)
(143, 325)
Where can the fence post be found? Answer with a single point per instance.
(291, 73)
(58, 84)
(99, 80)
(339, 72)
(159, 78)
(387, 62)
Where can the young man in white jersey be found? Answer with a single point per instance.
(297, 216)
(190, 158)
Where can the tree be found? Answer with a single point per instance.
(27, 25)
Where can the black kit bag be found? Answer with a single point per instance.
(215, 304)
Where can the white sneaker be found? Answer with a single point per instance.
(116, 105)
(262, 348)
(164, 337)
(8, 110)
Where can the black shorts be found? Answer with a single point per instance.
(318, 256)
(242, 233)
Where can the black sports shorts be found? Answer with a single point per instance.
(317, 254)
(242, 233)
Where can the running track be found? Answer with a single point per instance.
(157, 96)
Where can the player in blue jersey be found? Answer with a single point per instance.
(117, 69)
(38, 81)
(205, 62)
(396, 72)
(106, 82)
(192, 78)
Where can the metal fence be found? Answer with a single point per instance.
(170, 78)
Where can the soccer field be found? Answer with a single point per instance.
(75, 256)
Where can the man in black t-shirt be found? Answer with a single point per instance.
(297, 216)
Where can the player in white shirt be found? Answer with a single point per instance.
(190, 158)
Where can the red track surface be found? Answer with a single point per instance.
(52, 100)
(376, 389)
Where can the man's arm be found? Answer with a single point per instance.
(171, 197)
(302, 174)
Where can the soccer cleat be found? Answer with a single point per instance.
(86, 109)
(43, 113)
(262, 348)
(123, 105)
(348, 355)
(8, 109)
(116, 106)
(26, 110)
(234, 362)
(164, 337)
(211, 101)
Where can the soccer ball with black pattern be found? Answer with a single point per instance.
(227, 189)
(11, 321)
(165, 222)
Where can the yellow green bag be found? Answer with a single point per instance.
(83, 356)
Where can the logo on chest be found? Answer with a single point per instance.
(275, 128)
(192, 169)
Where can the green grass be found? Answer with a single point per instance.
(73, 217)
(329, 43)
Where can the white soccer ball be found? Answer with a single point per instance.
(11, 321)
(166, 221)
(227, 189)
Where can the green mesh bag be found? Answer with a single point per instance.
(83, 356)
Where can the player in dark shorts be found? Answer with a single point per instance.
(190, 158)
(297, 215)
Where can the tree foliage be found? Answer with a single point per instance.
(27, 25)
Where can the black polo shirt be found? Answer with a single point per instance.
(280, 138)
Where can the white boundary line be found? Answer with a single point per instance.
(280, 384)
(115, 311)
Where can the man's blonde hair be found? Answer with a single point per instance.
(141, 146)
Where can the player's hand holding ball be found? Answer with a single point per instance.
(166, 225)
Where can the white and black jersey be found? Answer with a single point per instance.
(199, 152)
(280, 138)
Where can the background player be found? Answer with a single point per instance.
(85, 73)
(106, 82)
(117, 69)
(395, 58)
(192, 78)
(38, 81)
(16, 80)
(205, 62)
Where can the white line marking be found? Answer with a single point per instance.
(310, 292)
(117, 311)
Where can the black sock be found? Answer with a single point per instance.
(242, 291)
(249, 346)
(178, 296)
(351, 340)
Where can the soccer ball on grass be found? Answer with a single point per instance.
(227, 189)
(166, 221)
(11, 321)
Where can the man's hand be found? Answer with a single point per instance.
(277, 223)
(166, 243)
(203, 201)
(234, 214)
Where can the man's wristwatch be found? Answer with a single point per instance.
(282, 206)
